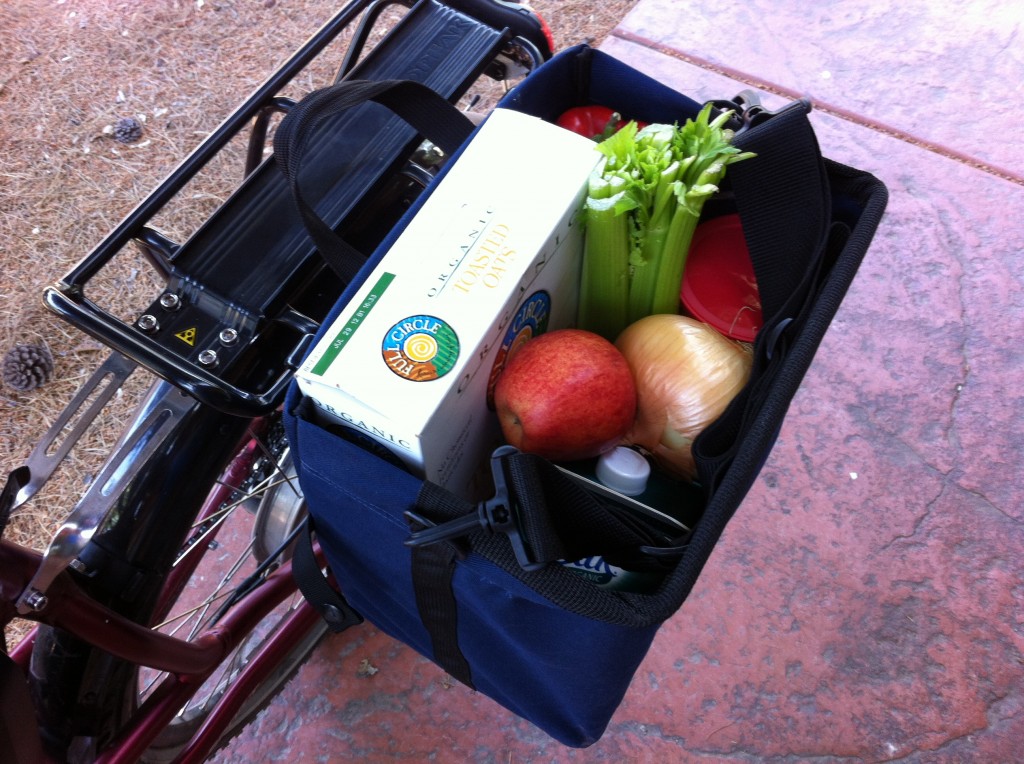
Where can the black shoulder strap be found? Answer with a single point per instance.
(417, 104)
(784, 202)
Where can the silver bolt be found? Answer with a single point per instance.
(148, 323)
(170, 301)
(228, 336)
(208, 358)
(36, 600)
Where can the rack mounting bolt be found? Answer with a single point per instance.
(208, 358)
(228, 336)
(148, 323)
(170, 301)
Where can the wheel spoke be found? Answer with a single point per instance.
(233, 560)
(180, 617)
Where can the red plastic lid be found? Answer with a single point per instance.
(719, 287)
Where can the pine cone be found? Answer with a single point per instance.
(26, 367)
(127, 130)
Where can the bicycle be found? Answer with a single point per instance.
(166, 606)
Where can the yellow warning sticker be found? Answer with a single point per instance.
(188, 336)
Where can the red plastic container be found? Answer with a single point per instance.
(719, 287)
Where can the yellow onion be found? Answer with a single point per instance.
(686, 373)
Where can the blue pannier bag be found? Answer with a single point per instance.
(478, 588)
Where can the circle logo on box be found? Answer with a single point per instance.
(530, 320)
(420, 348)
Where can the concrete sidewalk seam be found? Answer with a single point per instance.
(822, 106)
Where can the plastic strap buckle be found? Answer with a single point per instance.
(750, 112)
(499, 514)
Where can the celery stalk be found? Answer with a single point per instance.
(644, 203)
(604, 281)
(664, 292)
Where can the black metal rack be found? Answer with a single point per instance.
(244, 294)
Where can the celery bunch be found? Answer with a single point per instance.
(644, 200)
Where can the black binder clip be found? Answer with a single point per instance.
(499, 514)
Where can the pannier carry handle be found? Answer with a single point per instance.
(425, 110)
(429, 114)
(784, 201)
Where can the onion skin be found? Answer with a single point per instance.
(686, 374)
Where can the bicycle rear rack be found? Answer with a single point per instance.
(245, 292)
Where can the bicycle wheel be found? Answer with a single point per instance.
(234, 538)
(252, 538)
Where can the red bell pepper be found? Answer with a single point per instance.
(594, 122)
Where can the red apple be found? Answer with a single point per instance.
(566, 395)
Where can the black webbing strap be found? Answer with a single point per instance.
(433, 568)
(317, 590)
(715, 448)
(426, 111)
(433, 116)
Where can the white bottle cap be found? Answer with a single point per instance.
(624, 470)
